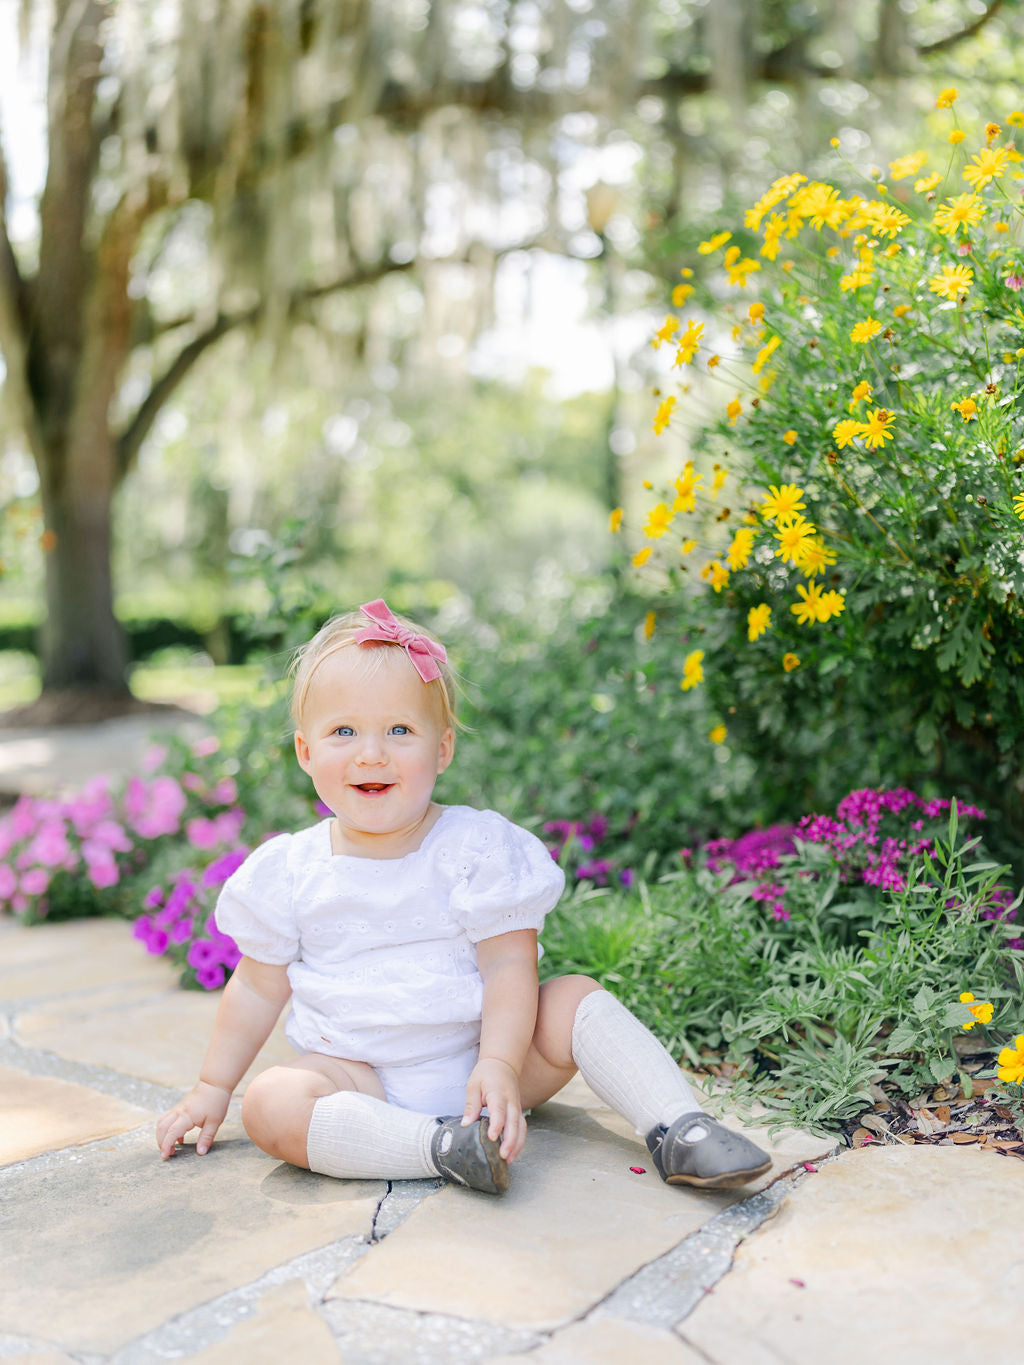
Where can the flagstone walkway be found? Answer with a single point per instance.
(108, 1254)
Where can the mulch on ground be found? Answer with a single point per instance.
(942, 1116)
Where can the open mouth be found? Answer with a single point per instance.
(373, 788)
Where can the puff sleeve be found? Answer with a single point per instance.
(256, 908)
(506, 879)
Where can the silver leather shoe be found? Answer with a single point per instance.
(698, 1150)
(468, 1156)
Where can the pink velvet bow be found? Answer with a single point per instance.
(423, 652)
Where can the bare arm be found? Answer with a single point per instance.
(248, 1010)
(508, 965)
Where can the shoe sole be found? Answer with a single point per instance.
(720, 1182)
(497, 1163)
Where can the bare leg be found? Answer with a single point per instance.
(549, 1064)
(278, 1104)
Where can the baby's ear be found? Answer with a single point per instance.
(446, 750)
(302, 751)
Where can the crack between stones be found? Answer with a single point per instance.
(117, 1084)
(666, 1291)
(374, 1236)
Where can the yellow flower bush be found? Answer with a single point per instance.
(872, 427)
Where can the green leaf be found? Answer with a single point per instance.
(941, 1068)
(923, 1002)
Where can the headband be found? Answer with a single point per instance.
(426, 654)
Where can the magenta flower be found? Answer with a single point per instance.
(221, 868)
(35, 881)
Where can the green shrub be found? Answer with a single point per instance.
(866, 574)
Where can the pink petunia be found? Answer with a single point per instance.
(35, 881)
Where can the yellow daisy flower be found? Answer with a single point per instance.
(907, 165)
(759, 619)
(965, 210)
(876, 430)
(659, 519)
(864, 331)
(806, 610)
(790, 661)
(952, 281)
(739, 550)
(663, 414)
(967, 408)
(843, 432)
(783, 502)
(692, 671)
(989, 164)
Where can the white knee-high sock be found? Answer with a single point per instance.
(626, 1066)
(357, 1137)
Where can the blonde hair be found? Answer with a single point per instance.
(340, 633)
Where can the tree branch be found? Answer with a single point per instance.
(968, 31)
(131, 439)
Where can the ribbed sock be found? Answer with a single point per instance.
(357, 1137)
(626, 1066)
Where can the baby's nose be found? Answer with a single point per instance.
(371, 750)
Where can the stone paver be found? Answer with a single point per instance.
(157, 1037)
(607, 1342)
(38, 1114)
(99, 1250)
(576, 1223)
(55, 960)
(911, 1247)
(284, 1325)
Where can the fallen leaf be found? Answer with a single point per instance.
(966, 1137)
(942, 1113)
(875, 1122)
(861, 1137)
(940, 1093)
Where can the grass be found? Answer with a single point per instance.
(173, 677)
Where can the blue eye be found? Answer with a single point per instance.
(345, 731)
(399, 729)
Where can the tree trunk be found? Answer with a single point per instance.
(83, 646)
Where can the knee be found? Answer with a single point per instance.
(565, 993)
(560, 998)
(263, 1104)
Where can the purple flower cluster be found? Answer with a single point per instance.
(576, 842)
(874, 837)
(870, 844)
(100, 835)
(180, 923)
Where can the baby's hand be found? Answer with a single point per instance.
(203, 1107)
(495, 1084)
